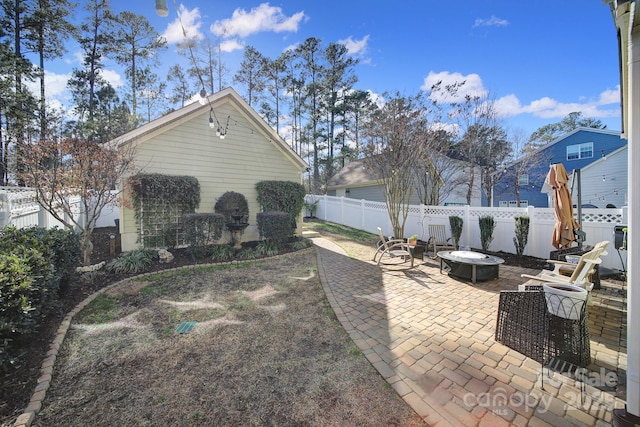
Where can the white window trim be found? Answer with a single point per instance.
(578, 149)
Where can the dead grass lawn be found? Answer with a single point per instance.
(266, 350)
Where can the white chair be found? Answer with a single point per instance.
(391, 249)
(580, 273)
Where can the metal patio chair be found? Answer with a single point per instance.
(390, 249)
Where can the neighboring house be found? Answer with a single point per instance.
(356, 181)
(603, 183)
(183, 143)
(575, 150)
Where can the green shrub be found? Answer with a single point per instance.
(35, 266)
(222, 252)
(230, 203)
(284, 196)
(456, 229)
(301, 243)
(247, 253)
(135, 261)
(522, 234)
(487, 225)
(267, 248)
(201, 230)
(274, 226)
(23, 296)
(163, 198)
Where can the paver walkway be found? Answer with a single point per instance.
(431, 337)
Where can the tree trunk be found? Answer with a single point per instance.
(87, 248)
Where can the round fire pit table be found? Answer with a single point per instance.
(470, 265)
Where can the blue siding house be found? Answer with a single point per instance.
(574, 150)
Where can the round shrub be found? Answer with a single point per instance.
(229, 203)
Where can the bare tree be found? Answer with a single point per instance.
(71, 173)
(436, 174)
(525, 157)
(396, 137)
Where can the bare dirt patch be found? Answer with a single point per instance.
(266, 350)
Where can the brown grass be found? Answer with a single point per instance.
(266, 350)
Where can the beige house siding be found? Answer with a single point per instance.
(249, 154)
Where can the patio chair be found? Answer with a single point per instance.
(438, 239)
(576, 274)
(391, 248)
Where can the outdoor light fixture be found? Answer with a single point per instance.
(212, 123)
(604, 156)
(161, 7)
(203, 97)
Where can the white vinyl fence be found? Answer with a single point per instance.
(18, 207)
(598, 224)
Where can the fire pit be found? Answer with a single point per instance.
(470, 265)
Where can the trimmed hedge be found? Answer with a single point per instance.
(202, 230)
(283, 196)
(274, 226)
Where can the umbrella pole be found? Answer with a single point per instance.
(580, 235)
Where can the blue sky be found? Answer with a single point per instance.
(539, 60)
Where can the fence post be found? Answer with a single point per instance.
(325, 206)
(467, 222)
(362, 214)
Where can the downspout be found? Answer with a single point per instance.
(633, 278)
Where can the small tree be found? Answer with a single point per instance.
(522, 234)
(396, 138)
(487, 225)
(456, 229)
(73, 175)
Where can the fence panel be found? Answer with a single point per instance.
(598, 224)
(18, 207)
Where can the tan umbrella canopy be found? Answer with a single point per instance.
(564, 229)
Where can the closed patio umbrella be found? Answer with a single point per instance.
(564, 229)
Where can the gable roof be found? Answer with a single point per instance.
(604, 159)
(357, 174)
(559, 139)
(214, 101)
(354, 173)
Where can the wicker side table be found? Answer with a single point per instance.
(525, 325)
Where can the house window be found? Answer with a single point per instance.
(580, 151)
(513, 203)
(523, 179)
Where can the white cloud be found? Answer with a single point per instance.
(471, 85)
(191, 20)
(610, 96)
(549, 108)
(113, 77)
(76, 57)
(231, 45)
(491, 22)
(355, 47)
(261, 18)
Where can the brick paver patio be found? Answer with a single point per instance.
(431, 337)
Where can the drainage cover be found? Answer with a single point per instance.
(185, 327)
